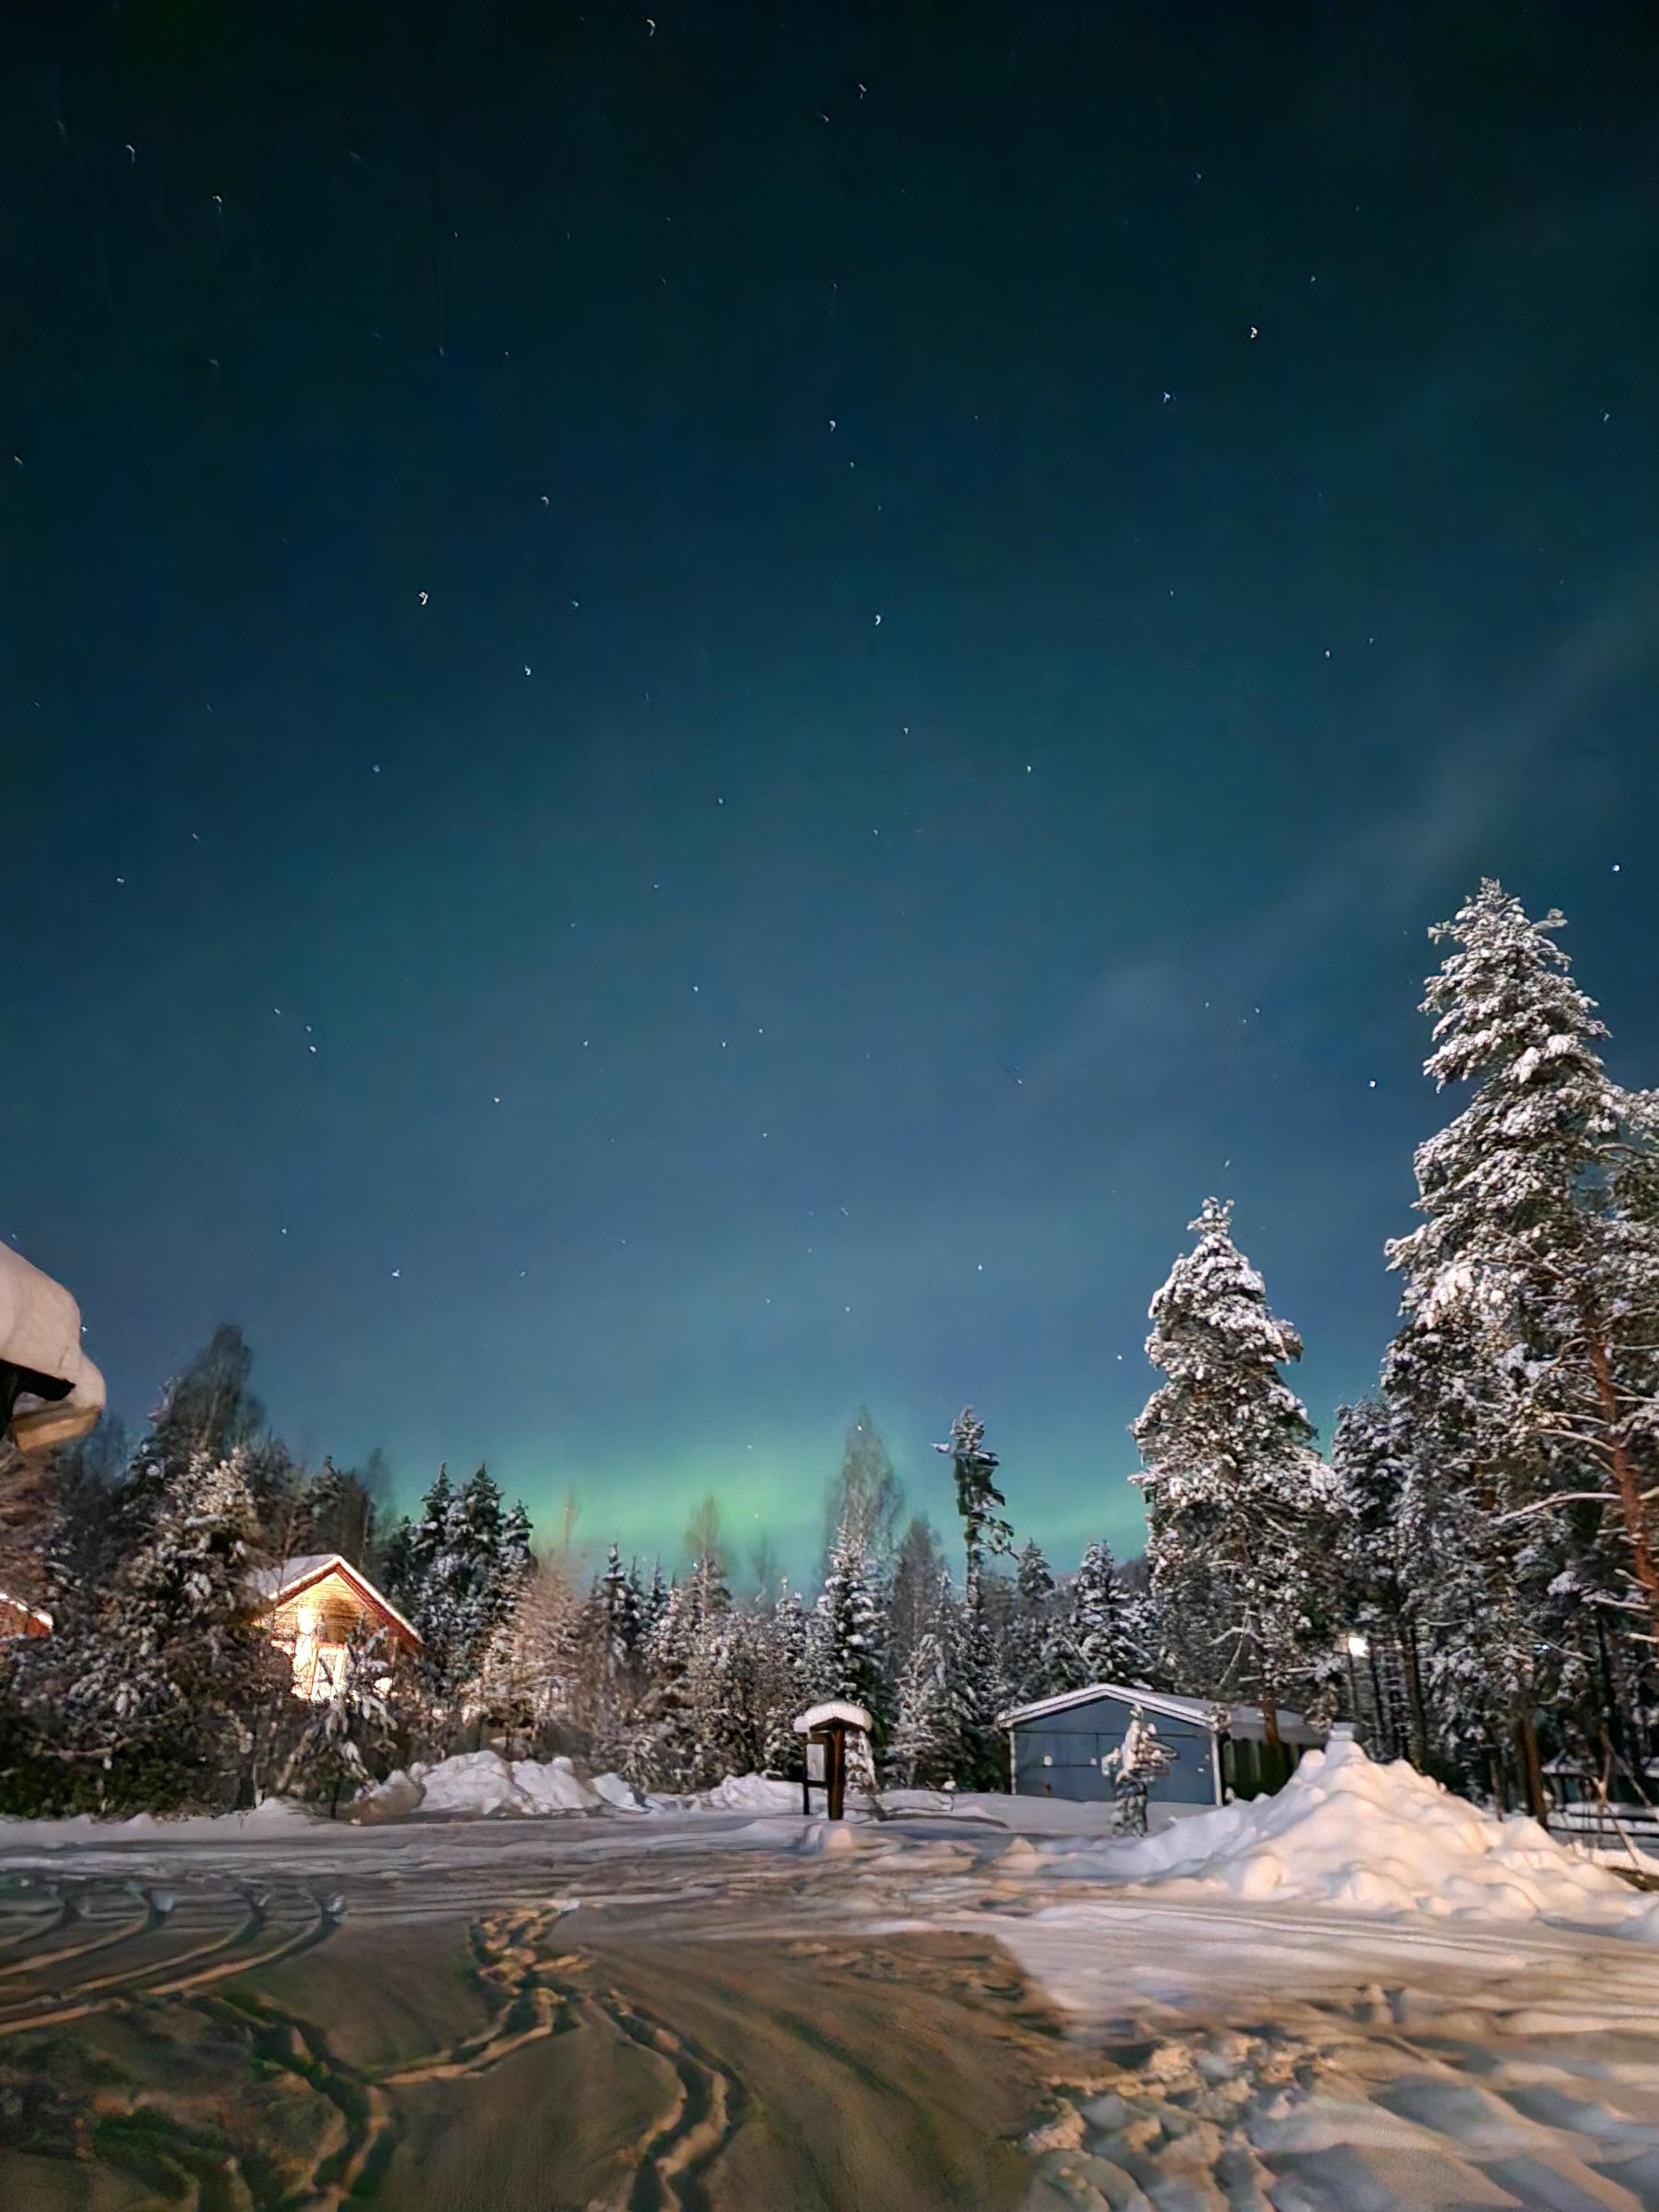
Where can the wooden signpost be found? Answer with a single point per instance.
(826, 1728)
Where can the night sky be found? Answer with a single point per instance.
(701, 713)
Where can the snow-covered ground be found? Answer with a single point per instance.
(1343, 1834)
(1364, 1986)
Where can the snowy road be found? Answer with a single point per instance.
(697, 2011)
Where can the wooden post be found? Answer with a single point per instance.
(826, 1728)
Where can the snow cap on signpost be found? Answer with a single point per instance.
(833, 1709)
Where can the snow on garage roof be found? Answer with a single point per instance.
(1210, 1713)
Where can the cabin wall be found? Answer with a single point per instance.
(330, 1609)
(1059, 1755)
(317, 1626)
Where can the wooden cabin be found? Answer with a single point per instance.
(318, 1606)
(1057, 1747)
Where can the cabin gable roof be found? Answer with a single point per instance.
(271, 1586)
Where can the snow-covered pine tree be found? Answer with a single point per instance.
(973, 1654)
(724, 1695)
(1369, 1463)
(470, 1571)
(1143, 1616)
(653, 1602)
(1101, 1625)
(338, 1513)
(926, 1733)
(170, 1682)
(495, 1690)
(980, 1689)
(663, 1740)
(1474, 1581)
(1030, 1618)
(458, 1575)
(616, 1601)
(344, 1738)
(1033, 1578)
(406, 1560)
(1242, 1509)
(1530, 1299)
(515, 1557)
(786, 1689)
(849, 1658)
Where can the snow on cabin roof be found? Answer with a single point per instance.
(1210, 1713)
(41, 1321)
(834, 1708)
(274, 1585)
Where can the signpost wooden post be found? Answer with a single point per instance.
(826, 1728)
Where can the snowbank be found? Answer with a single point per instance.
(483, 1784)
(278, 1816)
(1381, 1839)
(621, 1796)
(751, 1793)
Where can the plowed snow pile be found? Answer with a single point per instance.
(1380, 1839)
(483, 1783)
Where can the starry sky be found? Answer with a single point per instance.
(702, 711)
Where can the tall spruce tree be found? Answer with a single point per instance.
(1242, 1509)
(985, 1531)
(1526, 1369)
(1536, 1264)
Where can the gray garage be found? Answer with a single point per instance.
(1056, 1747)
